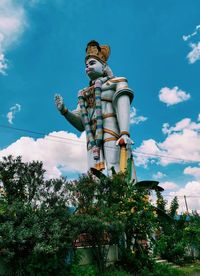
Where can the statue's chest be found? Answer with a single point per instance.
(107, 91)
(89, 97)
(106, 94)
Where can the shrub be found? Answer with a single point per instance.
(35, 225)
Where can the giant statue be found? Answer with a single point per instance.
(103, 112)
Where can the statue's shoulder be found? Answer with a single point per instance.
(121, 88)
(118, 79)
(119, 82)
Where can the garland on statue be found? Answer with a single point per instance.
(94, 140)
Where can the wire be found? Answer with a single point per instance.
(38, 133)
(83, 142)
(196, 196)
(165, 156)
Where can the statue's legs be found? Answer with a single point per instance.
(112, 159)
(111, 155)
(99, 164)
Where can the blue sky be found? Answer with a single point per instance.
(154, 44)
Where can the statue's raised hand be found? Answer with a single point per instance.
(59, 102)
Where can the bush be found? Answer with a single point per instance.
(35, 225)
(179, 237)
(114, 211)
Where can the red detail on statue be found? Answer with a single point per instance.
(122, 143)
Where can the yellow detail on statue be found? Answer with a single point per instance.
(123, 159)
(118, 80)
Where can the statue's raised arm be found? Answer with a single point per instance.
(103, 111)
(74, 117)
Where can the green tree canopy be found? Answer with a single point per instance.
(35, 224)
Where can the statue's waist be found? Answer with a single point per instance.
(111, 115)
(110, 126)
(108, 115)
(106, 99)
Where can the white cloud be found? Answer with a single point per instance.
(12, 22)
(198, 119)
(144, 153)
(165, 128)
(12, 25)
(182, 145)
(194, 54)
(159, 175)
(187, 37)
(57, 154)
(180, 126)
(173, 96)
(3, 64)
(194, 171)
(134, 119)
(168, 185)
(13, 110)
(192, 193)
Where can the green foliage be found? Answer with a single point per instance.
(168, 270)
(170, 244)
(86, 270)
(173, 207)
(37, 230)
(190, 269)
(160, 202)
(114, 211)
(192, 236)
(177, 239)
(161, 269)
(35, 227)
(115, 271)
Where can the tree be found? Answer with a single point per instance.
(112, 210)
(192, 235)
(171, 241)
(35, 224)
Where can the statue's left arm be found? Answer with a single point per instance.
(122, 99)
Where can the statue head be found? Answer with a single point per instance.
(96, 60)
(94, 50)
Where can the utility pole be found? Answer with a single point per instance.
(186, 204)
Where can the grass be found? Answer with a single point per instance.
(190, 269)
(159, 270)
(185, 270)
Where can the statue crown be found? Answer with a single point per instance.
(99, 52)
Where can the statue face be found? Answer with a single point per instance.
(94, 68)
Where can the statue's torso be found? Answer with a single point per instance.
(108, 110)
(111, 92)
